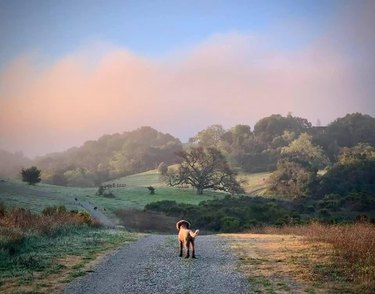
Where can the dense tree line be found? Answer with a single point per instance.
(306, 160)
(109, 157)
(260, 149)
(265, 148)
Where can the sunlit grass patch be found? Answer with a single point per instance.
(353, 249)
(286, 263)
(254, 183)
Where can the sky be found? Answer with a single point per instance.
(71, 71)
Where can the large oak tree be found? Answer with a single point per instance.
(204, 168)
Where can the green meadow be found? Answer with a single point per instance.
(14, 193)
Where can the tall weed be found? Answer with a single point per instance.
(18, 223)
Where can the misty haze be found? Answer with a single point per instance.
(247, 128)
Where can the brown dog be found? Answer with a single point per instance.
(186, 237)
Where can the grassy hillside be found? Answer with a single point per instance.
(135, 195)
(149, 178)
(254, 183)
(14, 193)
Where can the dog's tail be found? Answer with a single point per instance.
(194, 234)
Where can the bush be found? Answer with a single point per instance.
(227, 215)
(105, 192)
(230, 224)
(51, 210)
(52, 219)
(19, 224)
(343, 179)
(85, 217)
(31, 175)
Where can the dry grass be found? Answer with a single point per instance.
(39, 253)
(283, 264)
(353, 245)
(17, 223)
(254, 183)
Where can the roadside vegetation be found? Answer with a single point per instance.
(313, 257)
(239, 214)
(41, 252)
(353, 248)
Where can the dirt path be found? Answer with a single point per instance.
(96, 213)
(151, 265)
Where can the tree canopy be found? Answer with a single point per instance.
(297, 168)
(31, 175)
(110, 156)
(353, 172)
(204, 168)
(209, 137)
(303, 150)
(272, 141)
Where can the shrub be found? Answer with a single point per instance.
(151, 189)
(105, 192)
(31, 175)
(100, 191)
(51, 210)
(85, 217)
(230, 224)
(48, 222)
(227, 215)
(18, 224)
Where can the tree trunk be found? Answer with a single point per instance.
(199, 191)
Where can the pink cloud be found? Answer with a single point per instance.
(231, 78)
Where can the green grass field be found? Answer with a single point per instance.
(14, 193)
(135, 195)
(149, 178)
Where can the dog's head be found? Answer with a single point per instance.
(182, 223)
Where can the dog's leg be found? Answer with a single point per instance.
(193, 249)
(180, 246)
(187, 249)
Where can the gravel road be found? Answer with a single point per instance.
(152, 265)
